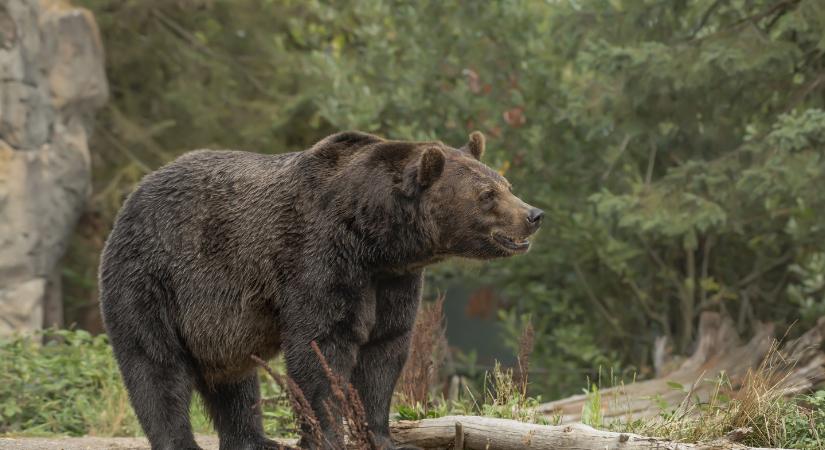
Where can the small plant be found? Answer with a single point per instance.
(592, 408)
(805, 426)
(418, 411)
(504, 398)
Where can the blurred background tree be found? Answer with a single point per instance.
(676, 145)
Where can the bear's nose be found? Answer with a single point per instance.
(534, 216)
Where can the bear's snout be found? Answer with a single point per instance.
(534, 217)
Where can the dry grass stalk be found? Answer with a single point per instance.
(761, 400)
(753, 411)
(427, 351)
(349, 406)
(310, 427)
(344, 406)
(525, 349)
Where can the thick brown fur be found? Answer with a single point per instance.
(224, 254)
(476, 145)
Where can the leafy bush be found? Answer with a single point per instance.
(71, 385)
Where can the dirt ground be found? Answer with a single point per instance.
(95, 443)
(90, 443)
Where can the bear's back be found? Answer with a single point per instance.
(198, 215)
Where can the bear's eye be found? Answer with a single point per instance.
(486, 196)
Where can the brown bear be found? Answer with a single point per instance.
(221, 255)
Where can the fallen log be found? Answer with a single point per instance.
(485, 433)
(799, 366)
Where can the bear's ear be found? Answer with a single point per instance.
(430, 166)
(476, 145)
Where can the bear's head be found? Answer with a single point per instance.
(414, 203)
(474, 210)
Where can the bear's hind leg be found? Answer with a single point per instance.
(235, 409)
(160, 395)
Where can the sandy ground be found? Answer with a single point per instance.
(90, 443)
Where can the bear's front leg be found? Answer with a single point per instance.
(382, 358)
(335, 323)
(306, 371)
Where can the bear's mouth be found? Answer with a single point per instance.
(512, 244)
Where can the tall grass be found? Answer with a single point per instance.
(428, 347)
(756, 413)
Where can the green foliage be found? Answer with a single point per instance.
(806, 424)
(418, 411)
(693, 159)
(592, 409)
(808, 293)
(71, 385)
(505, 399)
(677, 146)
(500, 396)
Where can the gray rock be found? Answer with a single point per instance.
(52, 80)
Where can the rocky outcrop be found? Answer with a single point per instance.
(52, 80)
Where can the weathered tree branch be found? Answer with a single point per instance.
(485, 433)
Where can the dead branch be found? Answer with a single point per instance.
(485, 433)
